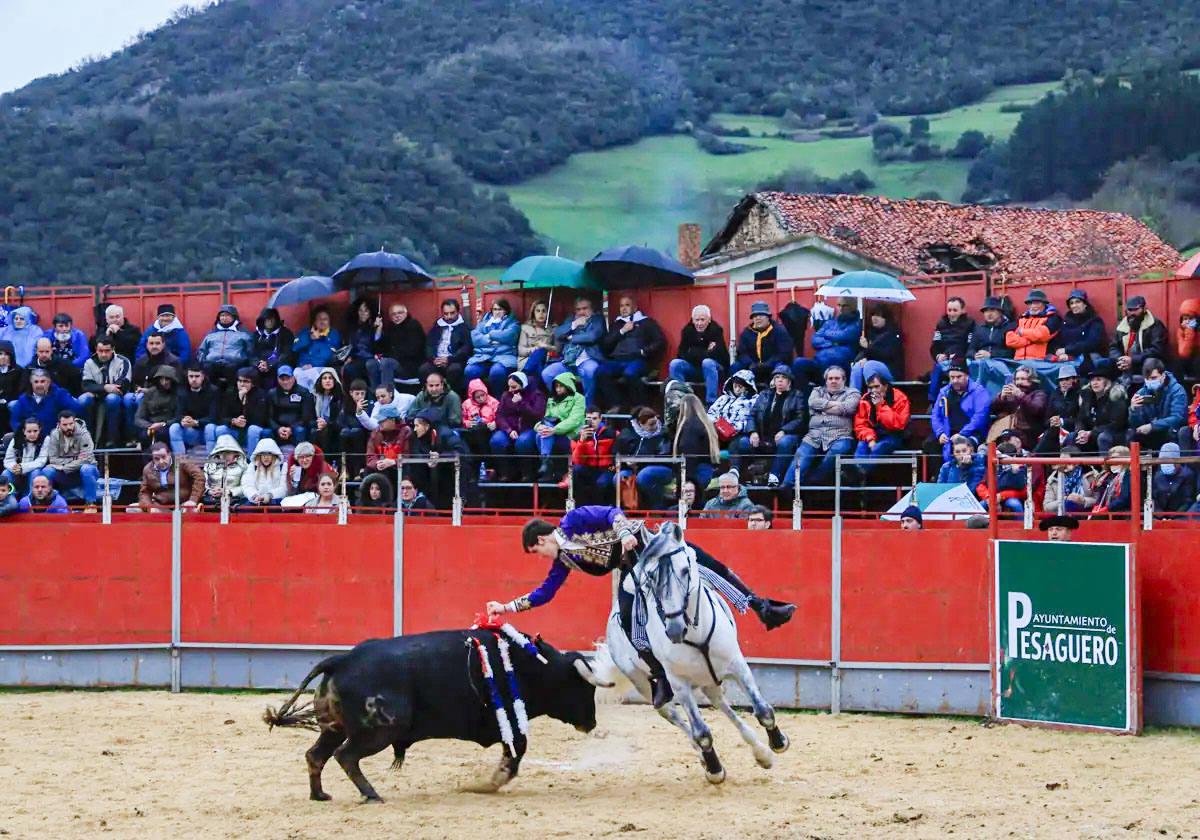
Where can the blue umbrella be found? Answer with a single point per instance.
(633, 266)
(302, 290)
(379, 269)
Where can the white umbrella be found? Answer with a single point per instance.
(938, 501)
(867, 285)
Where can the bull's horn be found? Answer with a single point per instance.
(585, 671)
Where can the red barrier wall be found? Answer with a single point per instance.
(196, 305)
(309, 583)
(919, 318)
(86, 584)
(48, 301)
(1163, 298)
(1101, 292)
(1169, 567)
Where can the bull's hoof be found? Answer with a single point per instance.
(779, 742)
(320, 797)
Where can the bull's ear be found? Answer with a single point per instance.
(589, 676)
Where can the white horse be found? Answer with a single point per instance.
(692, 633)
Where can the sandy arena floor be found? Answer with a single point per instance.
(151, 765)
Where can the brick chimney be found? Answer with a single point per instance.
(689, 244)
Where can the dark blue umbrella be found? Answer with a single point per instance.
(379, 270)
(633, 266)
(302, 290)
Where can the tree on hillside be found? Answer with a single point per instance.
(970, 144)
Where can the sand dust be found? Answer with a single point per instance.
(152, 765)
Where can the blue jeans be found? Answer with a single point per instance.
(816, 466)
(586, 371)
(710, 371)
(114, 415)
(535, 362)
(782, 451)
(526, 446)
(860, 373)
(652, 481)
(130, 402)
(493, 373)
(86, 478)
(248, 436)
(501, 444)
(553, 445)
(183, 439)
(884, 446)
(593, 485)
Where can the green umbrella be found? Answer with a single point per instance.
(866, 285)
(546, 272)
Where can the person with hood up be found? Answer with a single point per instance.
(579, 339)
(560, 425)
(1036, 330)
(777, 421)
(832, 408)
(361, 323)
(388, 441)
(305, 466)
(223, 472)
(881, 420)
(1026, 402)
(535, 345)
(375, 494)
(159, 407)
(702, 352)
(42, 498)
(1103, 417)
(412, 501)
(1187, 336)
(44, 400)
(173, 333)
(1083, 338)
(105, 383)
(314, 348)
(448, 345)
(479, 417)
(198, 404)
(494, 340)
(24, 456)
(265, 481)
(521, 407)
(24, 333)
(157, 492)
(273, 343)
(124, 336)
(882, 350)
(732, 500)
(1138, 336)
(1173, 486)
(1159, 408)
(631, 347)
(437, 396)
(12, 380)
(327, 408)
(225, 349)
(961, 408)
(141, 379)
(291, 407)
(399, 347)
(70, 344)
(730, 412)
(243, 411)
(834, 344)
(763, 345)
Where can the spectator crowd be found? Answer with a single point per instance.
(271, 415)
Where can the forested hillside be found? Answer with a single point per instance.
(277, 136)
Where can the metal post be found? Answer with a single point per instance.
(617, 486)
(797, 502)
(1135, 491)
(224, 505)
(570, 503)
(682, 506)
(106, 502)
(1027, 508)
(835, 626)
(993, 514)
(837, 485)
(398, 569)
(456, 505)
(176, 586)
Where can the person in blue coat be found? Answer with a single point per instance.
(70, 344)
(961, 408)
(495, 341)
(598, 539)
(172, 332)
(763, 345)
(22, 330)
(834, 344)
(314, 348)
(579, 339)
(1082, 339)
(42, 498)
(966, 467)
(44, 400)
(1159, 407)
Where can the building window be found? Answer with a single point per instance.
(765, 279)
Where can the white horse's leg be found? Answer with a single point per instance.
(763, 711)
(701, 735)
(627, 659)
(761, 754)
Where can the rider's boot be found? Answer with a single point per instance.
(770, 612)
(661, 686)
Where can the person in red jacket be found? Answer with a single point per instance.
(882, 417)
(592, 462)
(1036, 329)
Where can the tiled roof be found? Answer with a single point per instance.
(916, 236)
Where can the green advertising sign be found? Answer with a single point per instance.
(1065, 644)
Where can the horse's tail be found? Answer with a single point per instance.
(304, 715)
(606, 670)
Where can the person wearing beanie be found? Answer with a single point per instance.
(1083, 338)
(173, 332)
(1173, 487)
(961, 408)
(777, 421)
(731, 499)
(911, 519)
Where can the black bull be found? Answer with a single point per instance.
(395, 692)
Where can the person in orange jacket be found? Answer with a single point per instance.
(1187, 335)
(881, 420)
(1035, 329)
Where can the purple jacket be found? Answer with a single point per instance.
(588, 519)
(520, 417)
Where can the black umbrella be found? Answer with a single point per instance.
(379, 270)
(633, 266)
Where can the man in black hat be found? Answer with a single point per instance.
(986, 340)
(1103, 417)
(1139, 336)
(1036, 329)
(173, 333)
(1058, 528)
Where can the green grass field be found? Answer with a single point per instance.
(641, 192)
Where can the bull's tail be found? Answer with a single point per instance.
(289, 714)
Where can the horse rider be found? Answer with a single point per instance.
(596, 539)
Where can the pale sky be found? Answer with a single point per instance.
(40, 37)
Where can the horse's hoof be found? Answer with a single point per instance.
(715, 778)
(779, 741)
(320, 797)
(372, 800)
(765, 760)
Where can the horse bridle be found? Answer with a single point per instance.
(687, 590)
